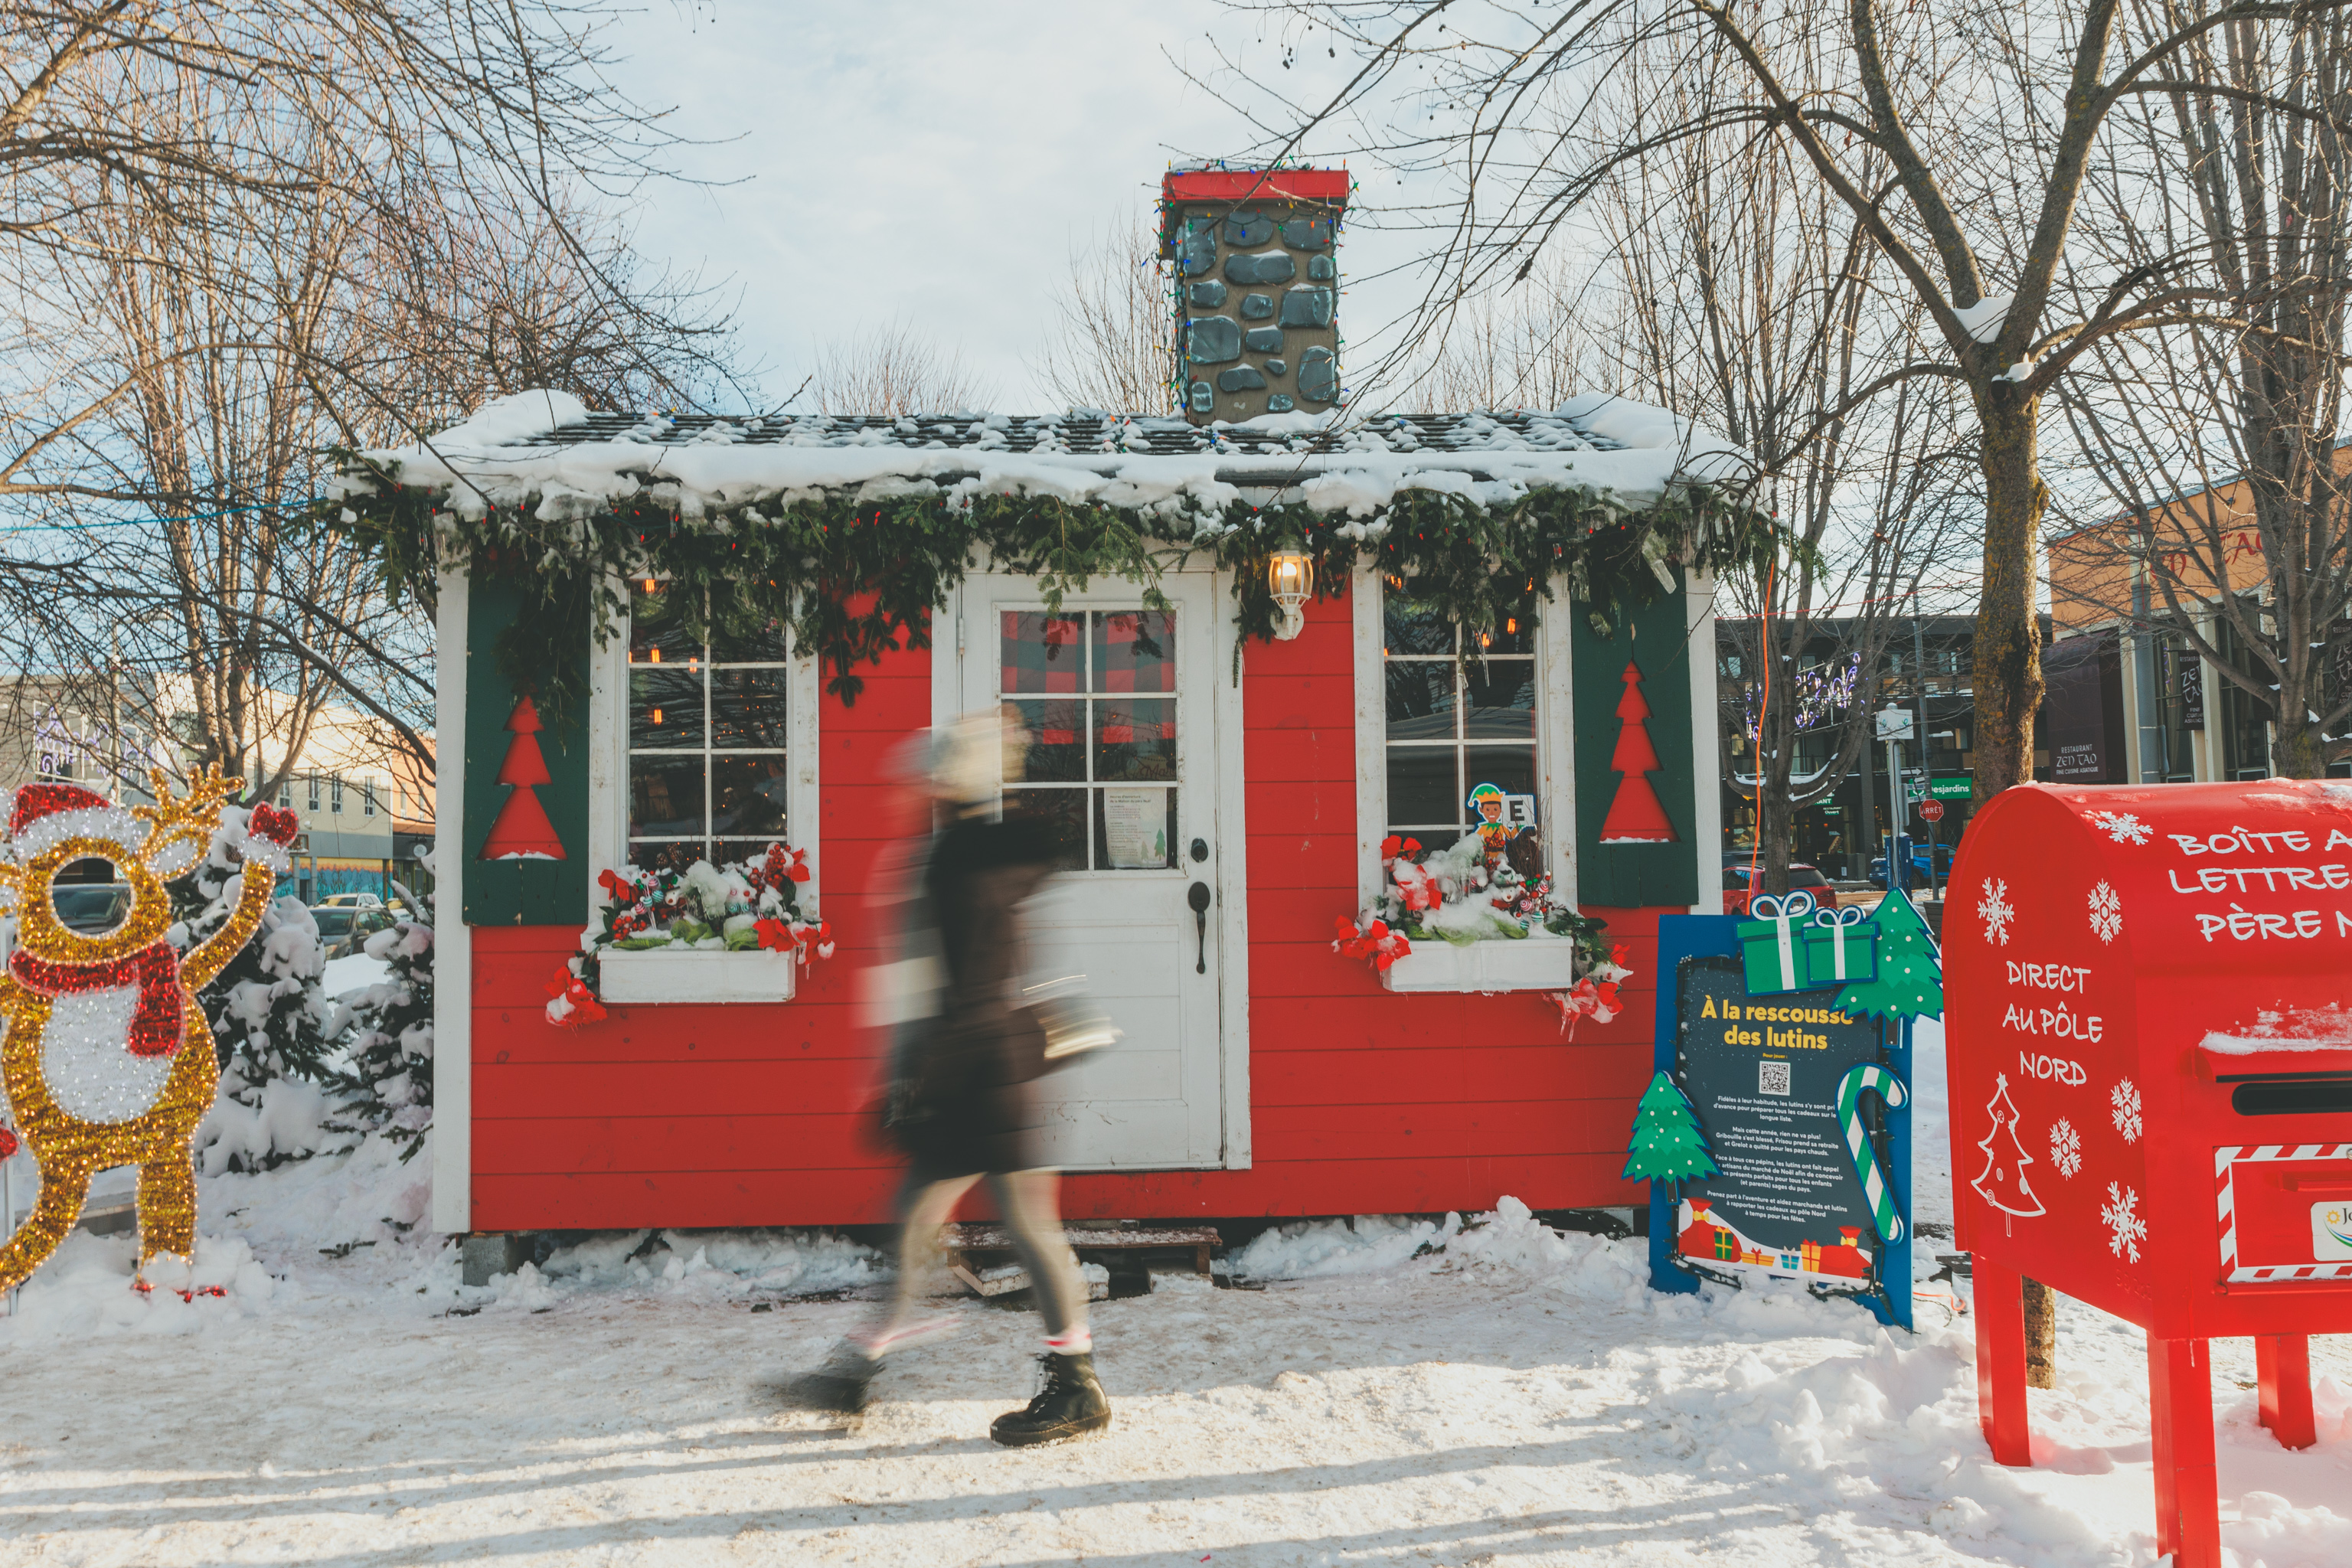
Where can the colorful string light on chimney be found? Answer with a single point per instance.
(107, 1059)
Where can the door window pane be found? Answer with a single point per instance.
(1135, 651)
(1042, 652)
(1102, 761)
(1135, 738)
(1057, 749)
(1064, 813)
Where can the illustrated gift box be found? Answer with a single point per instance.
(1841, 947)
(1772, 949)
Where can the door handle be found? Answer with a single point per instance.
(1197, 895)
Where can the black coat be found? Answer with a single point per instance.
(965, 1100)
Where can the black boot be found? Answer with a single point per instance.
(1071, 1403)
(840, 1384)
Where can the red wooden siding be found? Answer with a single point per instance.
(1361, 1101)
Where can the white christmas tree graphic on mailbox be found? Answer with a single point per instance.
(2002, 1182)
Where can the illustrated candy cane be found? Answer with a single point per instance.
(1871, 1075)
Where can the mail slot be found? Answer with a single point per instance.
(2149, 1038)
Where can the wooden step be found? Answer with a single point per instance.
(1201, 1241)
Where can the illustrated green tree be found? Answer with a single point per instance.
(1910, 980)
(1668, 1144)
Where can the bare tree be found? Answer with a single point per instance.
(1530, 347)
(1960, 140)
(891, 369)
(236, 241)
(1113, 343)
(2207, 437)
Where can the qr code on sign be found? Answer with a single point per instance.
(1772, 1078)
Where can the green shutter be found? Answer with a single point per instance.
(1636, 876)
(518, 892)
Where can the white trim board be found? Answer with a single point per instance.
(1706, 758)
(453, 960)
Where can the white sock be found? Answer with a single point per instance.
(1079, 1341)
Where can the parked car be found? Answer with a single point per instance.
(1918, 862)
(344, 927)
(90, 907)
(397, 905)
(1740, 885)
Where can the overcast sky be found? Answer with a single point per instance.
(931, 162)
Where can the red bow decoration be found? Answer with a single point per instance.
(274, 823)
(1586, 1000)
(1373, 940)
(571, 1004)
(621, 891)
(1393, 845)
(776, 936)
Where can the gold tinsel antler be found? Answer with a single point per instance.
(193, 816)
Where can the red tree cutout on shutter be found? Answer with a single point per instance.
(1635, 815)
(522, 831)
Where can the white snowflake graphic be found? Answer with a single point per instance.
(2126, 1100)
(2107, 913)
(2126, 1229)
(2065, 1147)
(1997, 912)
(2120, 826)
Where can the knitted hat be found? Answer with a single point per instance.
(47, 815)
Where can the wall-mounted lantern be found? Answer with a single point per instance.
(1290, 574)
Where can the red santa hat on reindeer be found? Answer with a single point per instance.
(44, 816)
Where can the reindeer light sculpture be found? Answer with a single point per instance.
(106, 1058)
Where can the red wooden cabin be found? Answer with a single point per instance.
(1262, 1073)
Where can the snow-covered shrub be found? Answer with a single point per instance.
(270, 1017)
(386, 1080)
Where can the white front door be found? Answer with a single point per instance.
(1119, 701)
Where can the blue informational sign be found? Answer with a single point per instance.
(1796, 1161)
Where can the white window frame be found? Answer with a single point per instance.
(1485, 966)
(654, 976)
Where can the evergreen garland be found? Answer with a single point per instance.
(857, 577)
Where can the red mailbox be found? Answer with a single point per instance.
(2151, 1092)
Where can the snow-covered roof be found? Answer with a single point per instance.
(545, 450)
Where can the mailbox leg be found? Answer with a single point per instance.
(2180, 1410)
(2282, 1363)
(2001, 1360)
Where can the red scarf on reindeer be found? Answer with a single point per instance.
(157, 1026)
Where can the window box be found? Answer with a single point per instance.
(635, 976)
(1532, 963)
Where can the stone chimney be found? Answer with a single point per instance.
(1258, 287)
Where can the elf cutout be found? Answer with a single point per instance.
(107, 1059)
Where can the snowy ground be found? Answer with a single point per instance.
(1515, 1397)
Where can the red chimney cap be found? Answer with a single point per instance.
(1252, 184)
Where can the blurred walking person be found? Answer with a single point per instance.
(962, 1103)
